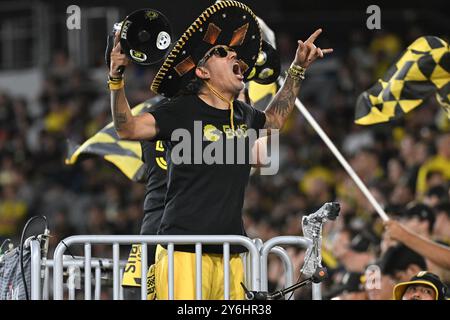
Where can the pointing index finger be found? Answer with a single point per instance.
(314, 36)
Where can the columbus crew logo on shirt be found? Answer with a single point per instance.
(211, 133)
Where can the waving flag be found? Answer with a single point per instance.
(125, 155)
(422, 70)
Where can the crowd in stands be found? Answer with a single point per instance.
(405, 164)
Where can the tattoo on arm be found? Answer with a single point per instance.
(119, 118)
(282, 104)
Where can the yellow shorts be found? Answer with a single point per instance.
(184, 276)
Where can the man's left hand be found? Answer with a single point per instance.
(307, 52)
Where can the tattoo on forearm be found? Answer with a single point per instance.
(284, 101)
(119, 118)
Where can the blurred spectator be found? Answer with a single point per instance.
(442, 224)
(353, 254)
(436, 253)
(378, 285)
(436, 170)
(61, 67)
(385, 47)
(60, 228)
(350, 288)
(12, 212)
(436, 195)
(98, 222)
(419, 218)
(366, 164)
(401, 263)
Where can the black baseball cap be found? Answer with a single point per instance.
(421, 211)
(439, 191)
(443, 207)
(424, 278)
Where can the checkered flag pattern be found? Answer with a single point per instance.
(422, 70)
(124, 154)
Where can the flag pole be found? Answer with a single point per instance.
(341, 159)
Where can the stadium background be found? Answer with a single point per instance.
(52, 88)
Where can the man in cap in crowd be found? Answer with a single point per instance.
(202, 75)
(436, 195)
(439, 163)
(441, 230)
(423, 286)
(401, 263)
(397, 264)
(436, 252)
(419, 218)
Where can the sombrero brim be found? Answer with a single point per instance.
(228, 23)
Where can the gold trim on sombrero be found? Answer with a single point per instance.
(185, 66)
(212, 33)
(195, 26)
(239, 35)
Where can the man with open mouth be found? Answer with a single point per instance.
(203, 75)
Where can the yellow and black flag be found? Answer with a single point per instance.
(124, 154)
(422, 70)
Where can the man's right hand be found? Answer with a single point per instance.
(118, 59)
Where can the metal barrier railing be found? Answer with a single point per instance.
(116, 241)
(256, 269)
(40, 272)
(288, 266)
(271, 244)
(283, 255)
(98, 264)
(36, 264)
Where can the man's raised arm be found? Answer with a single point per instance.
(283, 102)
(141, 127)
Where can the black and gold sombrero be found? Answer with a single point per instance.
(228, 23)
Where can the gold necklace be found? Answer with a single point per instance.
(221, 97)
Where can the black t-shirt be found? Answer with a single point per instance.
(153, 155)
(204, 199)
(155, 177)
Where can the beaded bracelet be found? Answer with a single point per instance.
(296, 72)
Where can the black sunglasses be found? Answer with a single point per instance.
(220, 51)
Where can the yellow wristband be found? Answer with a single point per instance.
(116, 85)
